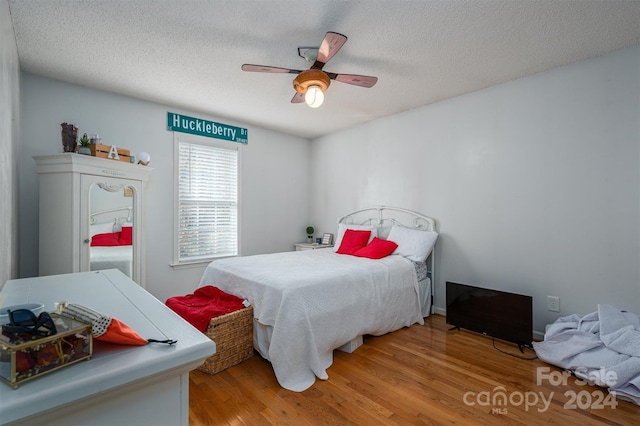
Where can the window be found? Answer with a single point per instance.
(207, 202)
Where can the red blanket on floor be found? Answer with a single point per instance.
(205, 303)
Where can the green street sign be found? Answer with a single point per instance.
(209, 129)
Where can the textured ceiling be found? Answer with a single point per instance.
(187, 53)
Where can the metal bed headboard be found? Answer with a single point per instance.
(128, 209)
(384, 216)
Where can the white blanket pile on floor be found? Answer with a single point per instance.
(595, 345)
(318, 300)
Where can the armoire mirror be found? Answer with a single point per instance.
(112, 226)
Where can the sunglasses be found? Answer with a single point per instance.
(23, 321)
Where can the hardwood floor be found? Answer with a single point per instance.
(417, 375)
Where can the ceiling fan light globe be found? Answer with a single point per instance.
(314, 96)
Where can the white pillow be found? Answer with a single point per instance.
(383, 232)
(118, 227)
(100, 228)
(413, 244)
(342, 228)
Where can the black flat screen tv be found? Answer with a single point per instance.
(499, 314)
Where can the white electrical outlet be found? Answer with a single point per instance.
(553, 303)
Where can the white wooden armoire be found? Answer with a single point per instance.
(81, 196)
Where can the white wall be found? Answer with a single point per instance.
(534, 183)
(274, 174)
(9, 146)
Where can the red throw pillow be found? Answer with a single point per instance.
(353, 240)
(108, 239)
(377, 249)
(126, 236)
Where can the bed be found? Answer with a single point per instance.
(116, 257)
(308, 303)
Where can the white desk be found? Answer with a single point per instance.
(119, 385)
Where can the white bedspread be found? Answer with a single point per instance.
(110, 257)
(597, 344)
(318, 300)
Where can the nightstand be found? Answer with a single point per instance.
(311, 246)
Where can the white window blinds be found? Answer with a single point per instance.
(207, 202)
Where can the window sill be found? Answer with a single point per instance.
(188, 265)
(197, 263)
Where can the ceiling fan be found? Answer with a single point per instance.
(310, 84)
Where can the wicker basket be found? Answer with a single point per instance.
(233, 336)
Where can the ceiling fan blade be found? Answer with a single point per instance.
(265, 68)
(356, 80)
(297, 98)
(330, 45)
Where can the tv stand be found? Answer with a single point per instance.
(455, 327)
